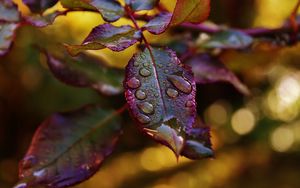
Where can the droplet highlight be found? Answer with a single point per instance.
(143, 119)
(145, 72)
(133, 83)
(146, 107)
(180, 83)
(173, 93)
(140, 94)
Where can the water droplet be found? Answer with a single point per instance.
(134, 83)
(180, 83)
(145, 72)
(146, 64)
(172, 92)
(189, 104)
(140, 94)
(39, 173)
(136, 64)
(85, 167)
(156, 95)
(143, 119)
(28, 161)
(169, 65)
(21, 185)
(146, 107)
(166, 71)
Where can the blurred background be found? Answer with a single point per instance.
(256, 138)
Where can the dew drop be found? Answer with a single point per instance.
(166, 71)
(139, 94)
(156, 95)
(28, 161)
(136, 63)
(180, 83)
(134, 83)
(172, 92)
(146, 107)
(189, 104)
(143, 119)
(146, 64)
(145, 72)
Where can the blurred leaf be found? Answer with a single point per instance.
(7, 32)
(87, 71)
(210, 70)
(160, 92)
(138, 5)
(38, 20)
(194, 11)
(228, 39)
(8, 11)
(111, 10)
(39, 6)
(159, 23)
(107, 36)
(68, 148)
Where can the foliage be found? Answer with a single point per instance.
(159, 82)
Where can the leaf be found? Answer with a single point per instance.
(38, 20)
(159, 23)
(160, 92)
(8, 11)
(107, 36)
(138, 5)
(228, 39)
(111, 10)
(87, 71)
(68, 148)
(39, 6)
(194, 11)
(210, 70)
(7, 32)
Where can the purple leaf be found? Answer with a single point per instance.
(39, 6)
(87, 71)
(210, 70)
(8, 11)
(160, 92)
(159, 23)
(38, 20)
(111, 10)
(7, 33)
(68, 148)
(138, 5)
(107, 36)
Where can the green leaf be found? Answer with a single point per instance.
(194, 11)
(87, 71)
(68, 148)
(161, 92)
(228, 39)
(138, 5)
(107, 36)
(111, 10)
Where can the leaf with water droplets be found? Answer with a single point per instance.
(194, 11)
(229, 39)
(138, 5)
(39, 6)
(107, 36)
(111, 10)
(158, 102)
(68, 148)
(159, 23)
(208, 69)
(86, 71)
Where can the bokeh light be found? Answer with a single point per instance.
(243, 121)
(282, 139)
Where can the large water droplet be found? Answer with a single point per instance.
(143, 119)
(146, 107)
(145, 72)
(180, 83)
(28, 161)
(172, 92)
(140, 94)
(133, 83)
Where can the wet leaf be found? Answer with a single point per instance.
(159, 23)
(8, 11)
(107, 36)
(194, 11)
(38, 20)
(228, 39)
(138, 5)
(208, 69)
(7, 32)
(68, 148)
(160, 92)
(111, 10)
(87, 71)
(39, 6)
